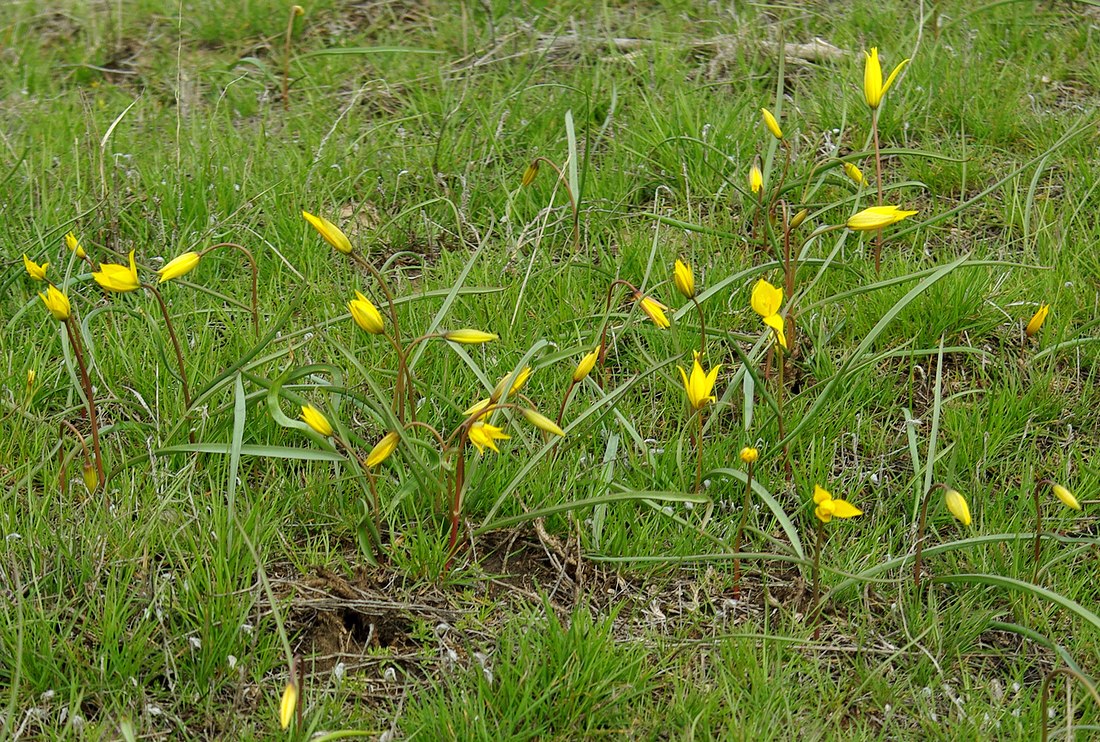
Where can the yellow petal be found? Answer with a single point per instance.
(57, 303)
(73, 244)
(877, 217)
(956, 503)
(288, 705)
(1037, 320)
(854, 173)
(749, 455)
(756, 179)
(34, 270)
(586, 365)
(382, 449)
(1066, 497)
(845, 509)
(654, 309)
(771, 123)
(178, 266)
(821, 494)
(766, 299)
(872, 78)
(316, 420)
(893, 74)
(467, 336)
(684, 280)
(366, 315)
(330, 232)
(542, 422)
(776, 322)
(477, 407)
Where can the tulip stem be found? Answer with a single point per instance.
(780, 362)
(456, 504)
(93, 420)
(878, 184)
(699, 458)
(741, 531)
(175, 342)
(255, 278)
(607, 321)
(920, 532)
(66, 425)
(1038, 549)
(819, 542)
(572, 201)
(401, 371)
(295, 10)
(702, 327)
(565, 401)
(1044, 697)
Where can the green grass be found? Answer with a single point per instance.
(167, 603)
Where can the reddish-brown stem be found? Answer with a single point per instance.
(1038, 549)
(86, 382)
(565, 400)
(255, 278)
(401, 371)
(702, 327)
(66, 425)
(456, 505)
(572, 202)
(741, 532)
(878, 184)
(699, 453)
(607, 321)
(920, 532)
(1044, 697)
(175, 342)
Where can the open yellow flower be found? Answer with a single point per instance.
(366, 315)
(316, 420)
(178, 266)
(700, 385)
(332, 234)
(829, 507)
(288, 704)
(756, 179)
(873, 87)
(654, 309)
(118, 278)
(586, 365)
(771, 123)
(1037, 320)
(73, 244)
(467, 336)
(877, 217)
(956, 503)
(57, 303)
(766, 301)
(34, 270)
(483, 435)
(683, 278)
(853, 172)
(382, 449)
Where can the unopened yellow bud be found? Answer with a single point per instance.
(542, 422)
(530, 174)
(586, 365)
(1066, 497)
(771, 123)
(467, 336)
(749, 455)
(91, 479)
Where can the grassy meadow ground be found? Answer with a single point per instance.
(166, 604)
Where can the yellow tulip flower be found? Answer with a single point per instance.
(771, 123)
(34, 270)
(57, 303)
(873, 88)
(288, 705)
(382, 449)
(366, 315)
(854, 173)
(73, 244)
(766, 301)
(877, 217)
(1066, 497)
(749, 455)
(316, 420)
(586, 365)
(956, 503)
(1037, 320)
(684, 280)
(179, 266)
(467, 336)
(829, 507)
(654, 309)
(756, 179)
(700, 385)
(332, 234)
(483, 435)
(542, 422)
(118, 278)
(530, 174)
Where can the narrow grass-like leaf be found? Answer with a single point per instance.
(773, 505)
(1010, 583)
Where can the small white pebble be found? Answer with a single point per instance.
(232, 662)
